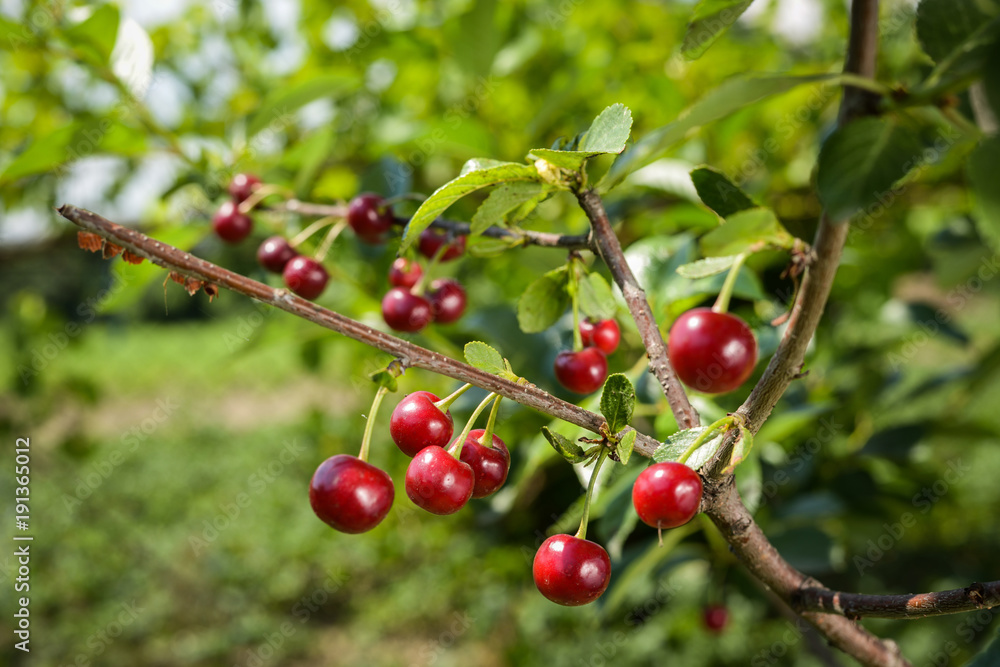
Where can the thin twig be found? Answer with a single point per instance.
(914, 605)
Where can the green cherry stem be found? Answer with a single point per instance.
(370, 425)
(722, 302)
(455, 449)
(487, 439)
(582, 532)
(574, 295)
(261, 193)
(331, 236)
(421, 285)
(701, 439)
(446, 402)
(302, 236)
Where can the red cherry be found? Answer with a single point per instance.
(417, 423)
(242, 186)
(582, 372)
(667, 495)
(404, 311)
(604, 334)
(231, 225)
(711, 352)
(349, 494)
(369, 218)
(306, 277)
(404, 273)
(715, 617)
(431, 240)
(571, 571)
(490, 465)
(438, 482)
(447, 299)
(275, 253)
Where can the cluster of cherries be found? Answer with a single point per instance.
(584, 371)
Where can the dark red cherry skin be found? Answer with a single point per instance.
(447, 299)
(306, 277)
(275, 253)
(404, 311)
(417, 423)
(404, 273)
(603, 334)
(715, 617)
(438, 482)
(582, 372)
(711, 352)
(231, 225)
(242, 186)
(349, 494)
(667, 495)
(431, 240)
(490, 465)
(369, 218)
(571, 571)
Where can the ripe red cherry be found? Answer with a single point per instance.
(417, 423)
(242, 186)
(438, 482)
(582, 372)
(306, 277)
(275, 253)
(604, 334)
(431, 240)
(490, 465)
(404, 273)
(571, 571)
(369, 218)
(231, 225)
(447, 299)
(711, 352)
(404, 311)
(349, 494)
(715, 617)
(667, 495)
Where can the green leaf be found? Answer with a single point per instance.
(596, 299)
(861, 161)
(731, 96)
(623, 450)
(709, 266)
(719, 193)
(983, 167)
(485, 358)
(711, 19)
(675, 446)
(543, 302)
(502, 201)
(277, 108)
(617, 401)
(989, 656)
(45, 153)
(96, 35)
(942, 25)
(608, 134)
(744, 231)
(476, 175)
(741, 448)
(567, 449)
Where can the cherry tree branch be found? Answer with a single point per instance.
(611, 252)
(410, 355)
(914, 605)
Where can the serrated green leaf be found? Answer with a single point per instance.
(502, 201)
(95, 37)
(861, 161)
(609, 132)
(483, 246)
(709, 266)
(625, 446)
(731, 96)
(942, 25)
(983, 167)
(543, 302)
(488, 173)
(617, 401)
(597, 301)
(711, 19)
(278, 108)
(719, 193)
(45, 153)
(485, 358)
(571, 160)
(675, 446)
(745, 230)
(566, 448)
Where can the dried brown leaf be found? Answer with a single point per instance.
(89, 241)
(131, 257)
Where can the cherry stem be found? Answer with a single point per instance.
(700, 440)
(331, 236)
(487, 439)
(302, 236)
(722, 302)
(370, 425)
(446, 402)
(574, 293)
(421, 285)
(456, 447)
(582, 532)
(260, 193)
